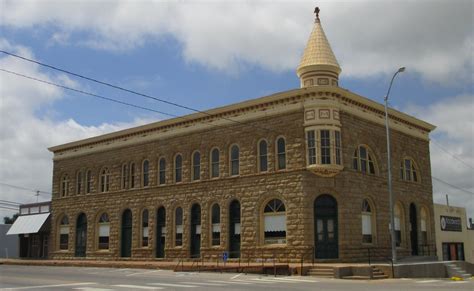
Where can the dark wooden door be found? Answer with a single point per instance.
(126, 241)
(326, 227)
(81, 236)
(414, 230)
(195, 231)
(234, 229)
(160, 232)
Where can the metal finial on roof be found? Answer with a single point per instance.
(316, 10)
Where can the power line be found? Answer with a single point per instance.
(449, 184)
(125, 89)
(9, 202)
(23, 188)
(451, 154)
(11, 209)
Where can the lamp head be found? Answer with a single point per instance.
(401, 70)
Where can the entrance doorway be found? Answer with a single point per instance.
(81, 235)
(413, 230)
(234, 229)
(195, 231)
(160, 232)
(325, 227)
(126, 243)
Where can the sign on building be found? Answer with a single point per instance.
(451, 223)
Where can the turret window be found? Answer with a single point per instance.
(324, 147)
(311, 148)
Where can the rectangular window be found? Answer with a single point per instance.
(311, 147)
(104, 232)
(216, 234)
(63, 237)
(179, 235)
(162, 171)
(325, 147)
(337, 135)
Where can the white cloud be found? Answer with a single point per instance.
(432, 38)
(454, 134)
(24, 159)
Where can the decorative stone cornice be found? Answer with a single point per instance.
(325, 170)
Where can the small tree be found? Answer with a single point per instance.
(10, 220)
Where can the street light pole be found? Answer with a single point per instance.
(389, 166)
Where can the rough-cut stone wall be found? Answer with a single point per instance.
(295, 186)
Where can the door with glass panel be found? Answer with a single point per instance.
(325, 227)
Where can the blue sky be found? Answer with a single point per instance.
(205, 54)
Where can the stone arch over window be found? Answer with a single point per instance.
(103, 231)
(215, 161)
(234, 160)
(280, 153)
(64, 228)
(409, 170)
(178, 222)
(162, 171)
(64, 189)
(196, 166)
(262, 153)
(424, 227)
(124, 179)
(79, 182)
(178, 168)
(364, 161)
(215, 224)
(144, 228)
(399, 217)
(88, 181)
(274, 222)
(368, 221)
(104, 180)
(146, 173)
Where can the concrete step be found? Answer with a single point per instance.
(356, 277)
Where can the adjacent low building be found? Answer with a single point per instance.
(297, 174)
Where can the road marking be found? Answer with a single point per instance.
(232, 282)
(270, 280)
(236, 276)
(138, 287)
(294, 279)
(255, 281)
(141, 273)
(173, 285)
(203, 284)
(427, 281)
(119, 270)
(52, 286)
(92, 289)
(458, 282)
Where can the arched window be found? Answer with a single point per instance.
(65, 186)
(145, 228)
(64, 233)
(162, 171)
(104, 231)
(104, 180)
(262, 156)
(363, 160)
(216, 224)
(178, 168)
(368, 222)
(178, 221)
(408, 170)
(146, 173)
(423, 226)
(88, 181)
(133, 178)
(234, 160)
(215, 163)
(281, 153)
(124, 178)
(274, 222)
(399, 221)
(196, 166)
(79, 181)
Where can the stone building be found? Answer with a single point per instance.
(297, 174)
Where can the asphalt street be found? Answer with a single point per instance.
(103, 279)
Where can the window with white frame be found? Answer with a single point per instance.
(367, 222)
(215, 156)
(162, 171)
(281, 153)
(79, 181)
(88, 181)
(216, 225)
(104, 180)
(408, 170)
(104, 231)
(196, 173)
(64, 233)
(274, 222)
(323, 147)
(234, 160)
(262, 156)
(363, 160)
(145, 232)
(146, 173)
(178, 221)
(178, 168)
(311, 139)
(65, 186)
